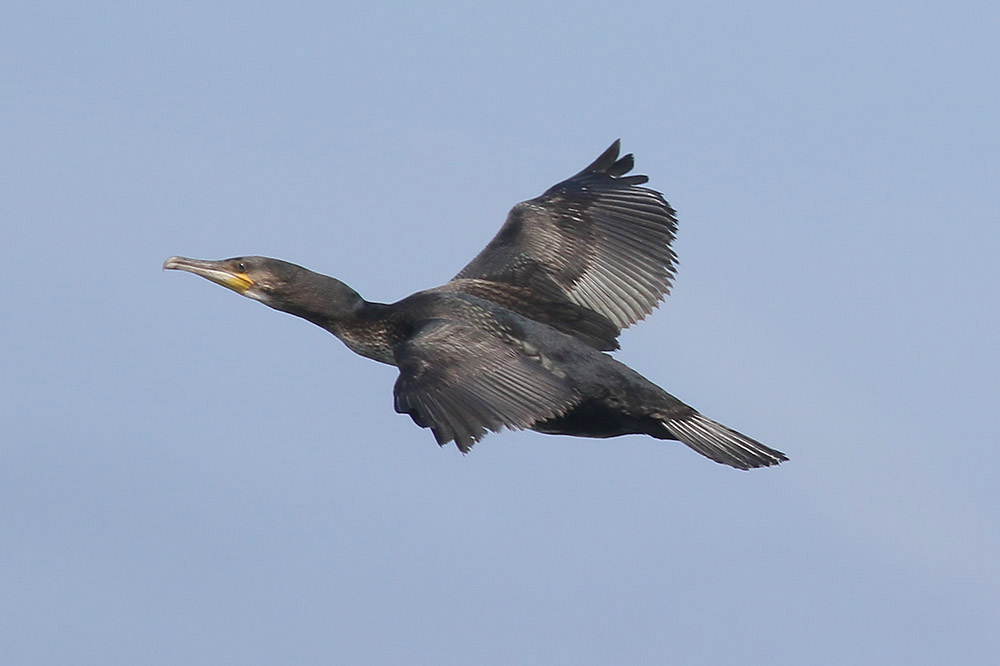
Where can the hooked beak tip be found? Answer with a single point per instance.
(172, 263)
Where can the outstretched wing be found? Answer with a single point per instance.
(460, 382)
(596, 240)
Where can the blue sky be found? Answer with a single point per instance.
(188, 477)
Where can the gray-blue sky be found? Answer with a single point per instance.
(188, 477)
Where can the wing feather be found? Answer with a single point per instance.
(461, 382)
(596, 240)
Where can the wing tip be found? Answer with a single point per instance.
(605, 160)
(610, 164)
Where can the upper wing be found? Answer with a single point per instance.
(588, 326)
(460, 381)
(596, 240)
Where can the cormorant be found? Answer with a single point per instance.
(517, 338)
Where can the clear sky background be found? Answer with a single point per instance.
(187, 477)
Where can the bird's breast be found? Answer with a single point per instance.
(370, 341)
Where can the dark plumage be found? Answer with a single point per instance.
(516, 339)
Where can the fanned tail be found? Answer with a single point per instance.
(721, 444)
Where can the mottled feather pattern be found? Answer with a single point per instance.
(546, 305)
(462, 381)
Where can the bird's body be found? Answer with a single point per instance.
(518, 338)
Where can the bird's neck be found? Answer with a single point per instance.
(323, 300)
(372, 331)
(366, 328)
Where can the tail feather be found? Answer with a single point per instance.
(721, 444)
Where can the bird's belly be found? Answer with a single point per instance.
(598, 420)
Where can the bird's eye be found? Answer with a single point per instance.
(241, 267)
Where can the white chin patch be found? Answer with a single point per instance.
(256, 295)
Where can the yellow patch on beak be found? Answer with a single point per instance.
(219, 272)
(238, 282)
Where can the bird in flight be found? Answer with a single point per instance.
(518, 339)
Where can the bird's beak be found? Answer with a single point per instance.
(216, 271)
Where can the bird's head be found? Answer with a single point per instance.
(259, 278)
(279, 284)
